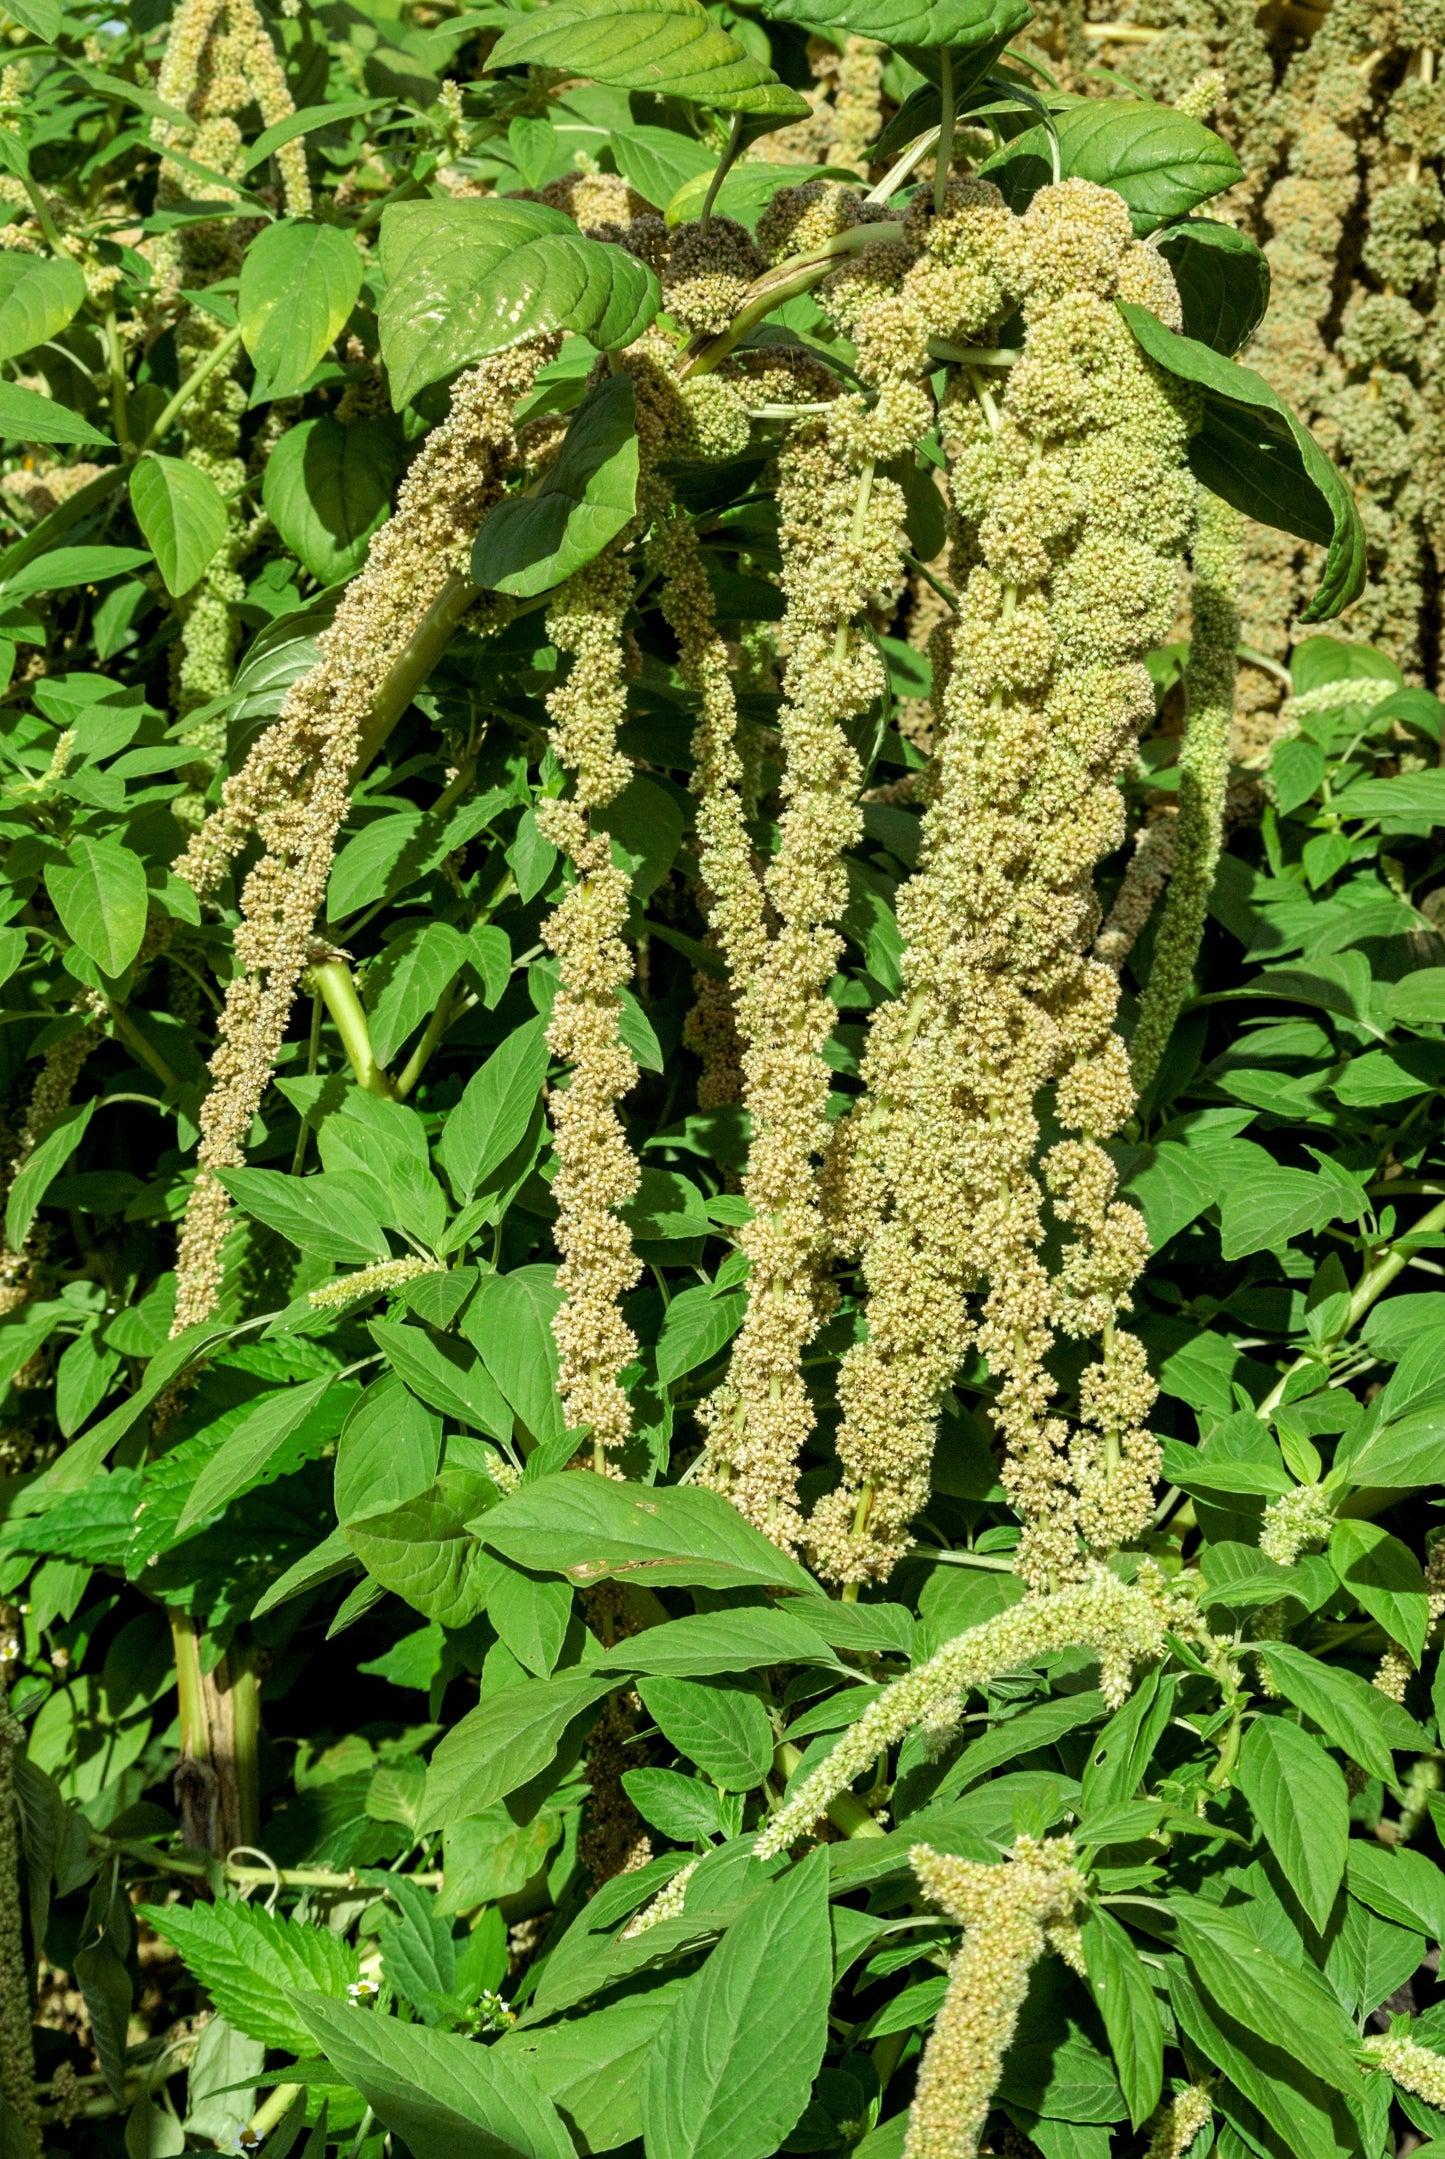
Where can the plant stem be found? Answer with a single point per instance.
(447, 1010)
(133, 1039)
(725, 164)
(196, 380)
(799, 274)
(943, 156)
(333, 980)
(270, 2113)
(313, 1059)
(1372, 1285)
(415, 661)
(217, 1788)
(119, 389)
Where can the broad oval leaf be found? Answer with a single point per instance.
(735, 2063)
(674, 48)
(1163, 163)
(448, 2097)
(39, 295)
(1253, 452)
(329, 1215)
(1385, 1578)
(532, 542)
(100, 895)
(299, 283)
(706, 1643)
(591, 1527)
(327, 488)
(964, 23)
(252, 1961)
(1354, 1716)
(470, 278)
(1299, 1799)
(26, 416)
(505, 1742)
(723, 1728)
(422, 1551)
(1223, 280)
(180, 510)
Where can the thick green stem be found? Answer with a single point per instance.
(1203, 778)
(450, 1008)
(332, 979)
(943, 156)
(218, 355)
(847, 1812)
(218, 1775)
(415, 661)
(797, 275)
(724, 166)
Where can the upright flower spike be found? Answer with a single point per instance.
(597, 1171)
(1074, 500)
(1218, 558)
(295, 787)
(1007, 1912)
(1123, 1625)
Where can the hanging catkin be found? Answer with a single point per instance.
(295, 787)
(1077, 500)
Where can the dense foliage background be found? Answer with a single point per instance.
(371, 943)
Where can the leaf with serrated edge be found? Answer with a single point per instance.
(251, 1961)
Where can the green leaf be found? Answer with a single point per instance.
(328, 488)
(1306, 2115)
(46, 1159)
(962, 23)
(328, 1214)
(683, 1808)
(299, 283)
(656, 161)
(1163, 163)
(736, 2060)
(697, 1326)
(1287, 2004)
(180, 511)
(251, 1963)
(446, 2096)
(591, 1527)
(493, 1114)
(61, 569)
(711, 1642)
(1354, 1716)
(1410, 1451)
(1124, 1997)
(673, 48)
(723, 1729)
(1401, 1885)
(1386, 1580)
(592, 2067)
(1223, 281)
(468, 278)
(1117, 1761)
(27, 416)
(307, 122)
(1253, 452)
(407, 983)
(423, 1552)
(40, 17)
(39, 295)
(445, 1373)
(1262, 1209)
(99, 893)
(1417, 797)
(505, 1741)
(509, 1319)
(237, 1465)
(532, 542)
(1418, 1000)
(1300, 1802)
(530, 1613)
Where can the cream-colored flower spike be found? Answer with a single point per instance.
(1414, 2068)
(1122, 1623)
(1008, 1912)
(1178, 2122)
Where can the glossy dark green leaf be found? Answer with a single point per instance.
(466, 278)
(673, 48)
(327, 488)
(446, 1373)
(1287, 2004)
(1163, 163)
(509, 1319)
(532, 542)
(1223, 280)
(1256, 454)
(493, 1114)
